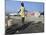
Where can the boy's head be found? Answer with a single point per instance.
(22, 4)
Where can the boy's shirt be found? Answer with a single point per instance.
(22, 11)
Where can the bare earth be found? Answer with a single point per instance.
(32, 24)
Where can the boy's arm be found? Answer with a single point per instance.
(19, 11)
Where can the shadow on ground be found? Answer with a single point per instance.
(30, 27)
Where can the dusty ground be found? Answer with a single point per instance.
(31, 25)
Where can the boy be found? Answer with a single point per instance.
(22, 12)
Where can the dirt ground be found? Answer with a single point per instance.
(31, 25)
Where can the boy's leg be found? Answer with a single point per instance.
(23, 19)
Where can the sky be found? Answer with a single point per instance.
(14, 6)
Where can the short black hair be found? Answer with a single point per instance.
(22, 4)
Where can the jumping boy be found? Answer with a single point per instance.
(22, 12)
